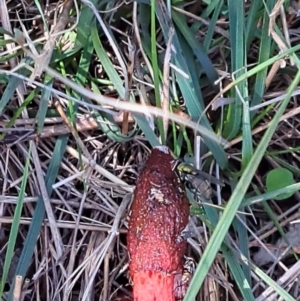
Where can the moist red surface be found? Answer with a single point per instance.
(153, 286)
(159, 213)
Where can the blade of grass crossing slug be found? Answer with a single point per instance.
(154, 64)
(236, 199)
(144, 19)
(195, 106)
(237, 48)
(39, 212)
(178, 142)
(187, 139)
(178, 136)
(15, 226)
(264, 54)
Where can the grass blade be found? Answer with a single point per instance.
(39, 213)
(15, 226)
(236, 24)
(235, 201)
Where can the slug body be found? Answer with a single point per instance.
(159, 213)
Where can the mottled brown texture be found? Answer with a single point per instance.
(159, 213)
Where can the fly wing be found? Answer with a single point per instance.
(209, 178)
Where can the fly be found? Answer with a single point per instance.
(195, 180)
(199, 186)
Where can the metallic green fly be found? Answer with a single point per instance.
(195, 180)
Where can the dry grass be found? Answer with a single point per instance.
(80, 253)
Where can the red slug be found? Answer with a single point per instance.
(159, 214)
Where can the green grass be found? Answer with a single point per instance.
(219, 49)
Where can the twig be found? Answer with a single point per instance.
(64, 225)
(17, 289)
(82, 124)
